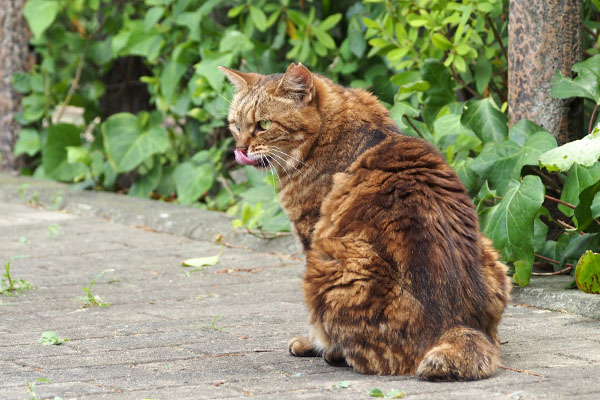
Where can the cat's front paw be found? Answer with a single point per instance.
(300, 346)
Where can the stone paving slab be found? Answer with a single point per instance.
(221, 332)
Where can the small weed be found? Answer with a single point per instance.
(91, 300)
(341, 385)
(31, 388)
(53, 230)
(392, 394)
(50, 338)
(11, 286)
(33, 200)
(57, 200)
(214, 326)
(22, 240)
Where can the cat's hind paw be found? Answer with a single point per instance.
(461, 354)
(300, 346)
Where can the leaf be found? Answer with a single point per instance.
(522, 273)
(235, 11)
(127, 143)
(588, 208)
(510, 223)
(259, 18)
(330, 21)
(483, 73)
(578, 244)
(441, 91)
(192, 182)
(54, 153)
(201, 262)
(579, 178)
(523, 129)
(586, 84)
(51, 338)
(29, 142)
(208, 68)
(440, 41)
(40, 14)
(587, 273)
(484, 118)
(395, 394)
(501, 162)
(584, 151)
(375, 392)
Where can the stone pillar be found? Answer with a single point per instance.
(14, 38)
(544, 36)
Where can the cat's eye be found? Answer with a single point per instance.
(237, 126)
(264, 125)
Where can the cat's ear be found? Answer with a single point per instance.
(298, 83)
(240, 80)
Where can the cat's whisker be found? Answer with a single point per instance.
(226, 99)
(277, 149)
(270, 156)
(288, 163)
(274, 170)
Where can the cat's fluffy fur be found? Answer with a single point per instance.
(399, 280)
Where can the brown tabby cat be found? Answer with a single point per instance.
(399, 280)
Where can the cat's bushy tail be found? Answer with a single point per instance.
(460, 354)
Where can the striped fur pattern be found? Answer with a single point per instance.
(398, 279)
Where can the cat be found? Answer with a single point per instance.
(398, 278)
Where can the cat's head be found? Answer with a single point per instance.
(274, 118)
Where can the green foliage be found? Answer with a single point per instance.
(90, 300)
(10, 286)
(588, 272)
(439, 66)
(51, 338)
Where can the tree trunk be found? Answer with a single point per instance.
(14, 37)
(544, 36)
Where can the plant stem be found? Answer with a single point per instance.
(564, 203)
(497, 36)
(412, 125)
(591, 126)
(550, 260)
(74, 84)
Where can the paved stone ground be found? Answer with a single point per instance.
(221, 332)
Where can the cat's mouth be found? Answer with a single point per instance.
(242, 157)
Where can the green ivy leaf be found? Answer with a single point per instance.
(142, 187)
(127, 143)
(586, 84)
(584, 151)
(29, 142)
(522, 273)
(40, 14)
(441, 91)
(522, 130)
(510, 223)
(54, 153)
(587, 274)
(579, 178)
(191, 181)
(485, 119)
(588, 208)
(502, 162)
(578, 244)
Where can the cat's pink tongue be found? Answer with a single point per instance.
(242, 158)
